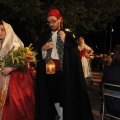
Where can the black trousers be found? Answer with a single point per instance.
(54, 88)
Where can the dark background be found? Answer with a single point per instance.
(105, 41)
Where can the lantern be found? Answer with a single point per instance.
(50, 67)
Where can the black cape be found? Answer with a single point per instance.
(76, 105)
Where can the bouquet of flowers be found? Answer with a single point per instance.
(20, 58)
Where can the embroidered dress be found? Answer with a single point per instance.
(16, 89)
(83, 51)
(19, 102)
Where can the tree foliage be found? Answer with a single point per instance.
(82, 16)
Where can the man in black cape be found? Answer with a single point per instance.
(70, 90)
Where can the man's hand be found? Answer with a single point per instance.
(62, 35)
(47, 46)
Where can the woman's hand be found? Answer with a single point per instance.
(7, 70)
(88, 55)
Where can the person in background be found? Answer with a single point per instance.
(107, 60)
(85, 52)
(17, 100)
(63, 93)
(111, 74)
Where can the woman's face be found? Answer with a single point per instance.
(2, 32)
(81, 41)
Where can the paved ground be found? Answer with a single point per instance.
(94, 95)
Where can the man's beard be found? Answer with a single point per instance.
(54, 28)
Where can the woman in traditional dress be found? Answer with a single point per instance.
(16, 86)
(85, 52)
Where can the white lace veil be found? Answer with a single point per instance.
(11, 40)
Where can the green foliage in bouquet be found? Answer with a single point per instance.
(21, 58)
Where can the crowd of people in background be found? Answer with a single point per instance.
(99, 61)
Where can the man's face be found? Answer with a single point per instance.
(2, 32)
(54, 23)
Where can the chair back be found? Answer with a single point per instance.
(111, 100)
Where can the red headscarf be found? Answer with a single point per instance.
(54, 12)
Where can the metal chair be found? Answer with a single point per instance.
(111, 101)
